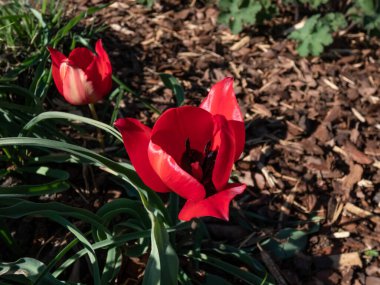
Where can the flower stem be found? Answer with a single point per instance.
(99, 132)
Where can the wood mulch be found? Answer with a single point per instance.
(312, 124)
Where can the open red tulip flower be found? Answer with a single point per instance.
(83, 77)
(191, 151)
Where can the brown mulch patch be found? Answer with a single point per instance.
(312, 124)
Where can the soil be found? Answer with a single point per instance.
(312, 126)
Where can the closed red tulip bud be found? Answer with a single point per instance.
(191, 151)
(83, 77)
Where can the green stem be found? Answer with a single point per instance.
(7, 153)
(6, 236)
(99, 132)
(129, 90)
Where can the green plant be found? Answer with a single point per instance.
(313, 3)
(238, 13)
(366, 13)
(148, 3)
(316, 33)
(43, 148)
(324, 19)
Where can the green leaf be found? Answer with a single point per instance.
(147, 3)
(17, 208)
(7, 237)
(287, 242)
(27, 268)
(112, 265)
(107, 213)
(317, 33)
(34, 190)
(366, 13)
(371, 253)
(162, 256)
(55, 158)
(16, 90)
(38, 17)
(58, 185)
(162, 266)
(150, 199)
(314, 3)
(212, 279)
(119, 97)
(173, 84)
(367, 6)
(107, 243)
(22, 108)
(238, 13)
(238, 254)
(32, 60)
(74, 21)
(42, 79)
(336, 21)
(71, 117)
(227, 267)
(183, 278)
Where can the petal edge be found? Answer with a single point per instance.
(136, 138)
(214, 206)
(221, 100)
(173, 176)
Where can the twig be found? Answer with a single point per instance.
(362, 213)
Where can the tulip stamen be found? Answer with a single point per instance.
(208, 167)
(200, 165)
(190, 161)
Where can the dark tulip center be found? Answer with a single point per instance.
(200, 165)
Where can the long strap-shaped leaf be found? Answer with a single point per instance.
(59, 183)
(31, 268)
(162, 256)
(111, 242)
(16, 208)
(26, 208)
(71, 117)
(246, 276)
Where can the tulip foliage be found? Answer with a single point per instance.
(174, 176)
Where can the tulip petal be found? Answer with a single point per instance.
(81, 57)
(100, 72)
(56, 56)
(57, 59)
(224, 142)
(221, 100)
(136, 138)
(102, 61)
(214, 206)
(77, 90)
(174, 177)
(177, 125)
(239, 134)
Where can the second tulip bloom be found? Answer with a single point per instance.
(83, 77)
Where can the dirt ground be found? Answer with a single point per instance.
(312, 124)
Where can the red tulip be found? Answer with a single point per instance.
(191, 151)
(83, 77)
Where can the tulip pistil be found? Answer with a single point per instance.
(200, 165)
